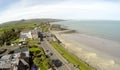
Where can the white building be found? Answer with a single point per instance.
(27, 33)
(31, 34)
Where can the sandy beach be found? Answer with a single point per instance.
(97, 59)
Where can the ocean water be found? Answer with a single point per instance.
(103, 29)
(103, 36)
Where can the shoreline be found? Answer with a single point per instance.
(87, 54)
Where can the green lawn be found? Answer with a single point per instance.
(1, 30)
(31, 42)
(45, 28)
(34, 49)
(71, 58)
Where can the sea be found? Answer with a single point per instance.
(104, 29)
(102, 35)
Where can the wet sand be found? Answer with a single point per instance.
(92, 50)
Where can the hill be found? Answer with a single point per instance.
(29, 21)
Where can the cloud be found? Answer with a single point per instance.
(66, 9)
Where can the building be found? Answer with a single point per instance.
(34, 34)
(16, 61)
(31, 34)
(21, 62)
(5, 63)
(26, 34)
(23, 37)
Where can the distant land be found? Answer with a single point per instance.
(30, 21)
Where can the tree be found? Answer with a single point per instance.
(8, 36)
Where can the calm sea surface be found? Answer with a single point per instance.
(104, 29)
(102, 36)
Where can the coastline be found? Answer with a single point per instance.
(87, 54)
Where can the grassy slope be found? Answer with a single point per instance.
(20, 25)
(71, 58)
(25, 24)
(34, 49)
(32, 42)
(1, 30)
(45, 28)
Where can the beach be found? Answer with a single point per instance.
(84, 48)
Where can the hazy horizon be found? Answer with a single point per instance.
(59, 9)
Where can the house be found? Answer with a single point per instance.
(34, 34)
(23, 37)
(31, 34)
(16, 61)
(21, 62)
(27, 33)
(5, 63)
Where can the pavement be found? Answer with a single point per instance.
(56, 58)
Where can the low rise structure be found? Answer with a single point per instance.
(4, 65)
(31, 34)
(16, 61)
(34, 34)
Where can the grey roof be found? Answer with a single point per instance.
(25, 31)
(5, 57)
(21, 50)
(4, 64)
(34, 31)
(23, 36)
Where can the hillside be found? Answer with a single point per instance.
(24, 24)
(29, 21)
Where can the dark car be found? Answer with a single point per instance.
(47, 50)
(57, 62)
(51, 54)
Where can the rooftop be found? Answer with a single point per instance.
(23, 36)
(4, 64)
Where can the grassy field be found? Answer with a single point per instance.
(27, 26)
(32, 42)
(19, 25)
(34, 49)
(10, 32)
(1, 30)
(71, 58)
(45, 28)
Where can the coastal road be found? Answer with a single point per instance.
(57, 59)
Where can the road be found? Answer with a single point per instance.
(57, 58)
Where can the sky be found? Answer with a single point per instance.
(60, 9)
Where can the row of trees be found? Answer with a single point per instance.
(8, 36)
